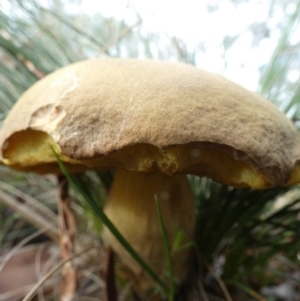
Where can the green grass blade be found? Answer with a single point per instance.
(167, 252)
(106, 221)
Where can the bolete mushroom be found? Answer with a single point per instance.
(153, 122)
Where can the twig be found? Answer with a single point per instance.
(124, 292)
(38, 268)
(220, 282)
(98, 282)
(250, 292)
(33, 291)
(30, 200)
(14, 294)
(119, 36)
(202, 292)
(67, 226)
(199, 282)
(31, 216)
(15, 249)
(33, 69)
(110, 289)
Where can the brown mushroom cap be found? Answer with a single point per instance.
(145, 115)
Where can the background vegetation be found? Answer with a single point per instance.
(247, 240)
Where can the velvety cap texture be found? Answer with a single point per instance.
(150, 116)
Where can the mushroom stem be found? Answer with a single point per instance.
(131, 207)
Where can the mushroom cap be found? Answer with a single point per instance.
(149, 116)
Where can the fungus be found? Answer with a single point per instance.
(153, 122)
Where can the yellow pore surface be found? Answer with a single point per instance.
(203, 159)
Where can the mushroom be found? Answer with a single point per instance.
(153, 122)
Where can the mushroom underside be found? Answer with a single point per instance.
(30, 151)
